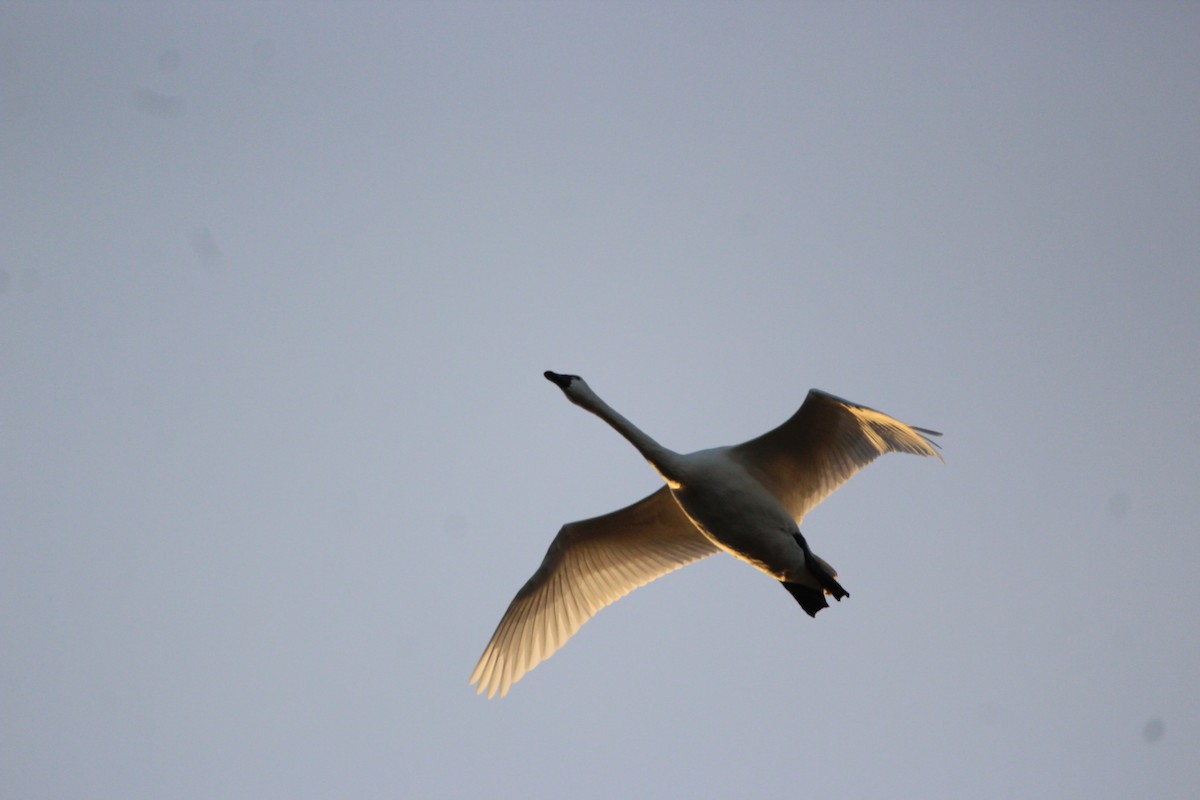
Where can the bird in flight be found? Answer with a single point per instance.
(747, 500)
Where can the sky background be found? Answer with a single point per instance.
(277, 286)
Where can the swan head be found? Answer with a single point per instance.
(574, 387)
(562, 381)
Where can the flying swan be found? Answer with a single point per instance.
(747, 500)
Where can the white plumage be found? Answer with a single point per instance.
(747, 500)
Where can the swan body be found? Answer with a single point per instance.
(747, 500)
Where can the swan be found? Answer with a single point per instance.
(747, 500)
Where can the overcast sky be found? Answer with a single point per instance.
(277, 286)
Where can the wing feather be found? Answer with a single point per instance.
(823, 445)
(590, 564)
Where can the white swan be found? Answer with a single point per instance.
(747, 500)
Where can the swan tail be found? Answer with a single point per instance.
(825, 575)
(812, 599)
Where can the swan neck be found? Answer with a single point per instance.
(661, 458)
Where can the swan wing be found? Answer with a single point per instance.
(821, 447)
(590, 564)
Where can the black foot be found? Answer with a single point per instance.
(810, 599)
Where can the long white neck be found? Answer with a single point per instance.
(661, 458)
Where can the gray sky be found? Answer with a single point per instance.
(277, 286)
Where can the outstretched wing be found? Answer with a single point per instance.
(590, 564)
(823, 444)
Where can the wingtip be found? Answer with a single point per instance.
(934, 449)
(482, 687)
(489, 684)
